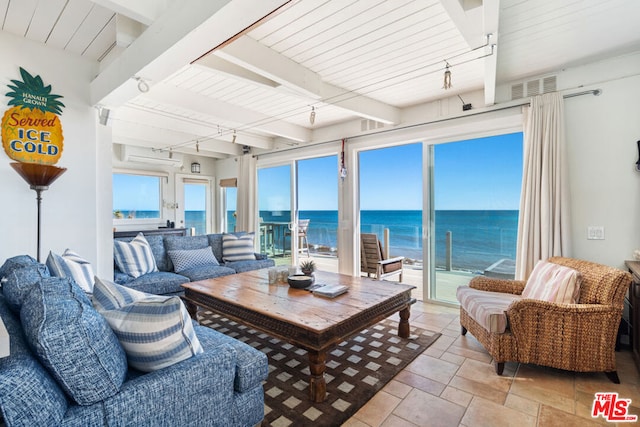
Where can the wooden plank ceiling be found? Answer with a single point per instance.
(345, 60)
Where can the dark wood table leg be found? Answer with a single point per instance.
(317, 383)
(403, 326)
(191, 308)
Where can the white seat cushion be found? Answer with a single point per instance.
(553, 283)
(489, 309)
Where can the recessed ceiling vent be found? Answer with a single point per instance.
(366, 125)
(533, 87)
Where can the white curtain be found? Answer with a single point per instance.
(247, 194)
(543, 227)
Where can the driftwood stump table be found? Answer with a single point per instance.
(299, 317)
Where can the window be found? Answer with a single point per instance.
(136, 196)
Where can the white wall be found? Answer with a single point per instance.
(605, 188)
(69, 207)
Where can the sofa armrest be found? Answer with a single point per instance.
(484, 283)
(200, 387)
(559, 334)
(391, 260)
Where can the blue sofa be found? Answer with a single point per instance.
(166, 282)
(83, 380)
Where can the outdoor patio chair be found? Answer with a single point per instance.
(373, 261)
(516, 323)
(303, 243)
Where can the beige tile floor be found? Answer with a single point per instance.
(453, 383)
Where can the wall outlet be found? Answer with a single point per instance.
(595, 232)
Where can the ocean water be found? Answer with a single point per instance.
(479, 237)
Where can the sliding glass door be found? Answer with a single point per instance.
(317, 199)
(274, 206)
(475, 194)
(391, 205)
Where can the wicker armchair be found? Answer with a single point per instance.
(575, 337)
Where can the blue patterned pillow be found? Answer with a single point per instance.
(73, 341)
(186, 259)
(20, 281)
(70, 264)
(134, 258)
(12, 263)
(237, 248)
(155, 331)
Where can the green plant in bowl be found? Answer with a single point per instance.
(308, 267)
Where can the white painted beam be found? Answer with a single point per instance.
(187, 29)
(197, 129)
(491, 10)
(469, 22)
(144, 11)
(166, 94)
(250, 54)
(163, 139)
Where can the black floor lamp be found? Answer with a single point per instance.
(39, 177)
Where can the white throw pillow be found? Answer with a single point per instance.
(237, 248)
(134, 258)
(72, 265)
(155, 331)
(553, 283)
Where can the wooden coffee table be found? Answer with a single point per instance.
(299, 317)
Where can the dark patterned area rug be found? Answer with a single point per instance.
(356, 370)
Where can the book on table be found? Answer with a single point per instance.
(330, 291)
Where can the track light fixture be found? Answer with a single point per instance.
(447, 77)
(312, 116)
(197, 146)
(233, 140)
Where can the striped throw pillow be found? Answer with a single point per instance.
(237, 248)
(155, 331)
(135, 257)
(553, 283)
(110, 296)
(72, 265)
(189, 258)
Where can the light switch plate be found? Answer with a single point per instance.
(595, 232)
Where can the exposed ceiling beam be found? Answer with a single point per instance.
(250, 54)
(152, 119)
(201, 104)
(186, 30)
(491, 10)
(475, 22)
(164, 139)
(144, 11)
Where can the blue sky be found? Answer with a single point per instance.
(483, 174)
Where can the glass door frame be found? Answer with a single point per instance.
(293, 202)
(180, 181)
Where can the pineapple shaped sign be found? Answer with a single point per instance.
(31, 129)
